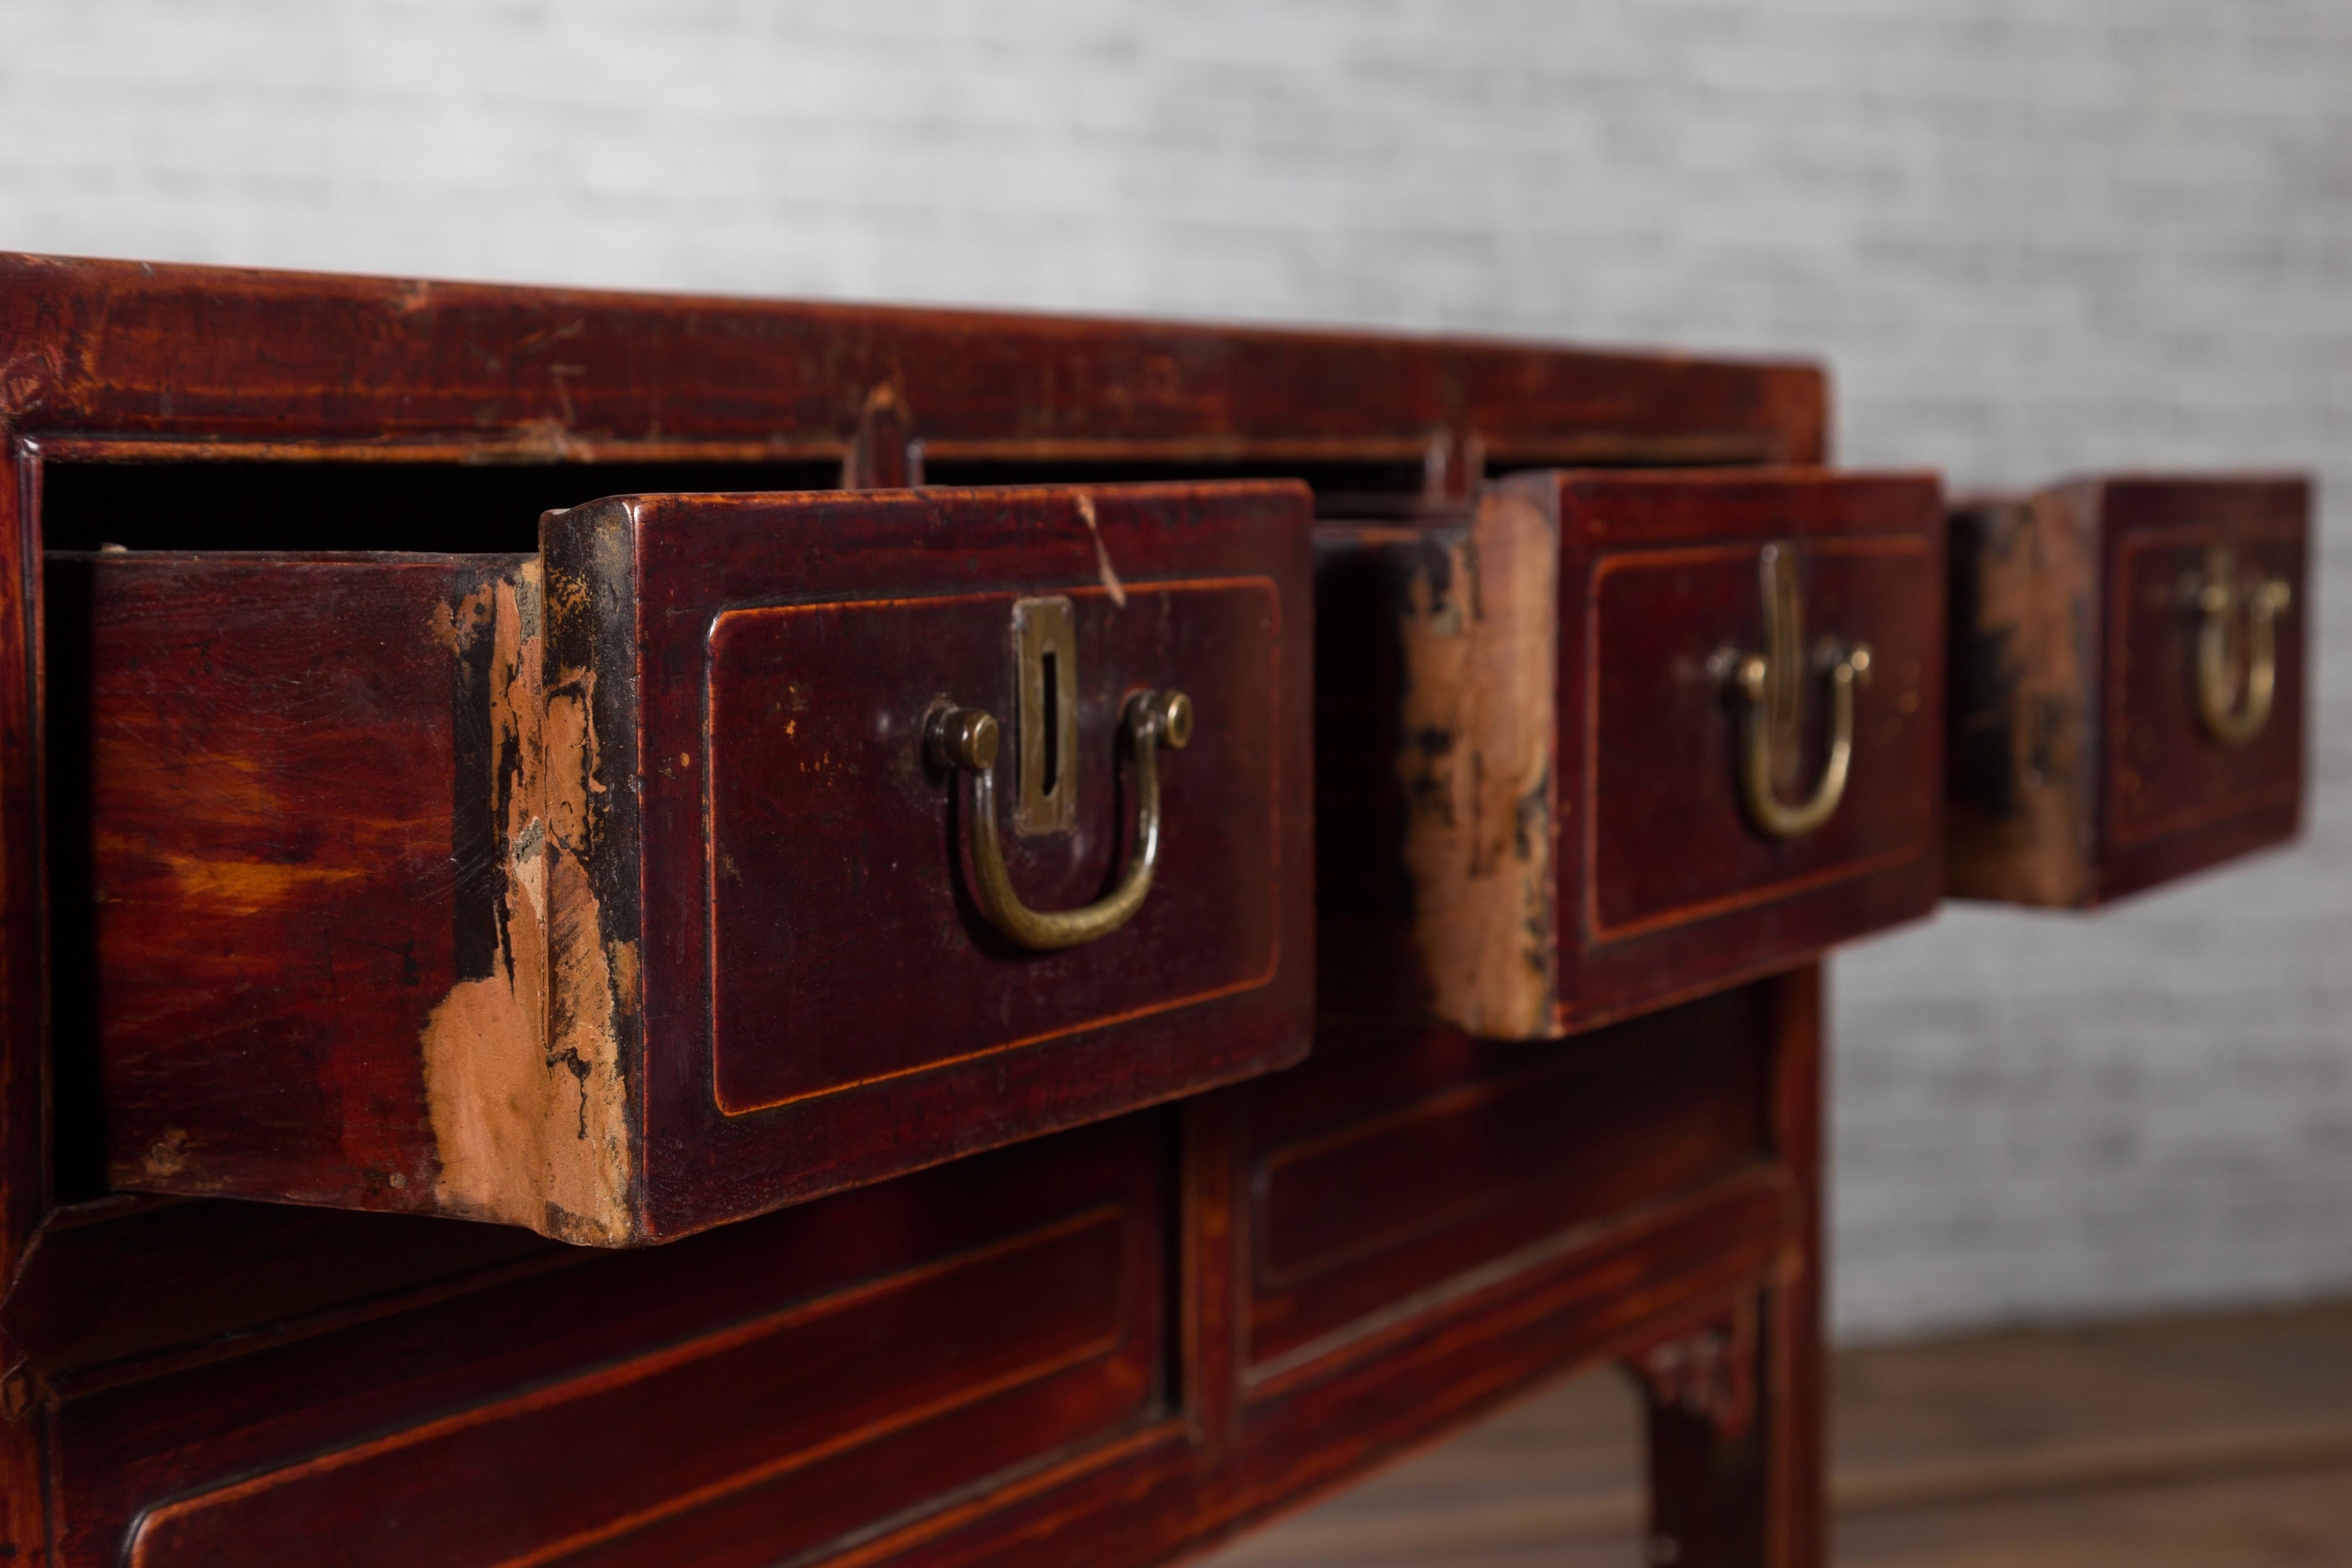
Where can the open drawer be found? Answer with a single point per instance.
(732, 850)
(2127, 683)
(1626, 737)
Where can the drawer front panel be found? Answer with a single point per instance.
(2167, 772)
(619, 893)
(1668, 840)
(824, 996)
(756, 1393)
(1721, 633)
(2129, 688)
(1393, 1172)
(845, 951)
(1623, 738)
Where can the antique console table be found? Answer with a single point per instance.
(649, 930)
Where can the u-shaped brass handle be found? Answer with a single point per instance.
(965, 738)
(1769, 686)
(1771, 815)
(2231, 717)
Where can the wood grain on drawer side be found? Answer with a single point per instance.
(336, 944)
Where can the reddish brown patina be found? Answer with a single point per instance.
(2082, 766)
(266, 873)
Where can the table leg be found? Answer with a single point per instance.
(1736, 1403)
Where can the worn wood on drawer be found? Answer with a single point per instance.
(283, 899)
(772, 1386)
(1535, 783)
(120, 362)
(930, 1036)
(371, 847)
(2081, 767)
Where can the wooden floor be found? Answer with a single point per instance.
(2219, 1442)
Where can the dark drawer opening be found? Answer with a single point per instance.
(394, 504)
(398, 504)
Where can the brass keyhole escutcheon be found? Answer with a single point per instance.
(1045, 714)
(966, 740)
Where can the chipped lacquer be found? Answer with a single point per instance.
(378, 935)
(2128, 669)
(1638, 736)
(1114, 1346)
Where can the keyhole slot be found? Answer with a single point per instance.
(1046, 698)
(1049, 665)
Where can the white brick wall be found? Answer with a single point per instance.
(2028, 237)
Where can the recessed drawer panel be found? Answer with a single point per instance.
(733, 850)
(1650, 733)
(759, 1392)
(2128, 683)
(1396, 1172)
(830, 969)
(1670, 837)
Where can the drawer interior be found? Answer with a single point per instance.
(470, 508)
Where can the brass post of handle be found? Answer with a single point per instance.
(966, 739)
(2231, 716)
(1770, 687)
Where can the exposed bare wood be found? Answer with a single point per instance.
(2081, 766)
(530, 1123)
(2022, 758)
(1480, 644)
(301, 967)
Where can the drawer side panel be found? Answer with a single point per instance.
(299, 900)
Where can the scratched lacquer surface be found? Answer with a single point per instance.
(2081, 769)
(312, 831)
(1056, 1352)
(627, 904)
(820, 1001)
(1556, 748)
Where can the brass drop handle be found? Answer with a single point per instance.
(965, 740)
(2232, 717)
(1770, 690)
(1773, 816)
